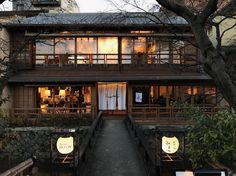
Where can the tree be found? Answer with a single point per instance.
(202, 15)
(211, 139)
(217, 61)
(7, 56)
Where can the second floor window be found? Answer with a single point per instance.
(104, 50)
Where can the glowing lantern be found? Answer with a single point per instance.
(47, 93)
(62, 93)
(65, 145)
(170, 145)
(195, 91)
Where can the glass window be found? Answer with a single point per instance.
(127, 50)
(162, 95)
(65, 99)
(140, 45)
(163, 52)
(108, 45)
(177, 50)
(86, 50)
(64, 46)
(127, 45)
(44, 46)
(152, 50)
(108, 50)
(139, 51)
(87, 45)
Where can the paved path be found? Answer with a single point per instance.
(114, 153)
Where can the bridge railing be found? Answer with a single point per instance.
(143, 146)
(20, 169)
(90, 136)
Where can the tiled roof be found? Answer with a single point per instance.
(99, 19)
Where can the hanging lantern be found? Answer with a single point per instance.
(170, 145)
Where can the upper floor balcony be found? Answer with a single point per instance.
(39, 3)
(145, 52)
(139, 59)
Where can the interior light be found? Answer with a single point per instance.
(62, 93)
(47, 93)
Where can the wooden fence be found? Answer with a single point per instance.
(165, 114)
(50, 112)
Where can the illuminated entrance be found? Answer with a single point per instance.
(112, 96)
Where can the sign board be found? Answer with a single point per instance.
(170, 145)
(65, 145)
(138, 97)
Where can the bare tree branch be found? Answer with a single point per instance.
(210, 8)
(228, 9)
(176, 8)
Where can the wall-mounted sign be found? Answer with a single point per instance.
(170, 145)
(65, 145)
(138, 97)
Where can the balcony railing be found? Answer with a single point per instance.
(61, 60)
(166, 115)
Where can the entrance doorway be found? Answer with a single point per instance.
(112, 96)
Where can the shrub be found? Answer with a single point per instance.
(212, 139)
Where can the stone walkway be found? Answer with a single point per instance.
(114, 154)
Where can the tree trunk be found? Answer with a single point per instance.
(214, 61)
(214, 64)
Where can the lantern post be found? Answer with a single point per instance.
(64, 151)
(170, 148)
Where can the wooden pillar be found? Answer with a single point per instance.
(130, 96)
(94, 98)
(120, 52)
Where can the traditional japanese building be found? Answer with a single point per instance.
(54, 6)
(115, 62)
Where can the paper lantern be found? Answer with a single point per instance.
(170, 145)
(65, 145)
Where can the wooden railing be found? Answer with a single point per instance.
(19, 169)
(52, 112)
(165, 114)
(150, 161)
(106, 59)
(90, 136)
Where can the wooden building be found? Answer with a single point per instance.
(52, 6)
(115, 62)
